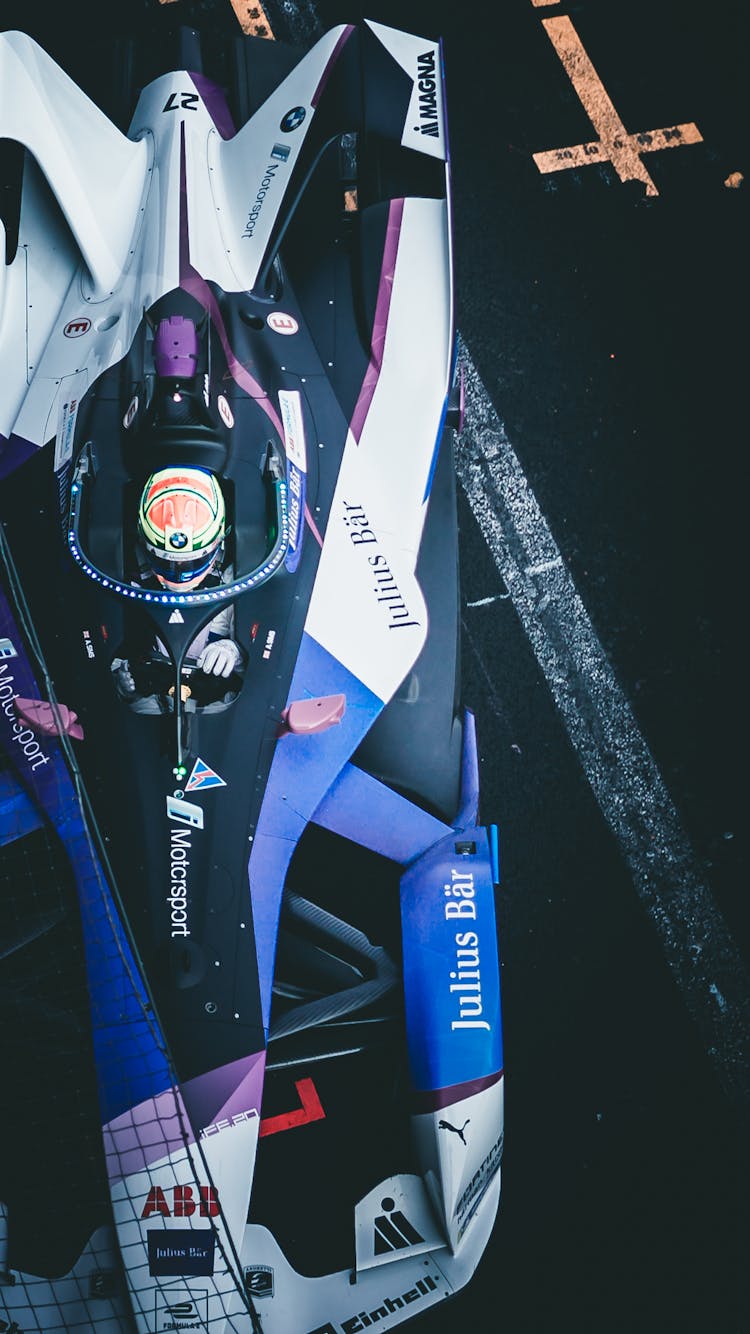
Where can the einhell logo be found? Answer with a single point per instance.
(354, 1324)
(183, 1202)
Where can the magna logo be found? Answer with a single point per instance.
(183, 1203)
(427, 86)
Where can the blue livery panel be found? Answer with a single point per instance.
(451, 968)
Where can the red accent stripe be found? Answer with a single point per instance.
(310, 1110)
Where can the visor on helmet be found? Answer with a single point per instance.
(181, 571)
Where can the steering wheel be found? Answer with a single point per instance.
(154, 674)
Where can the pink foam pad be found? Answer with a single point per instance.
(41, 717)
(314, 715)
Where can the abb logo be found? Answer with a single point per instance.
(183, 1202)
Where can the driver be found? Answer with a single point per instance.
(181, 528)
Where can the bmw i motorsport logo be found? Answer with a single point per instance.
(186, 813)
(293, 119)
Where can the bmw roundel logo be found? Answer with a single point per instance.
(293, 119)
(178, 541)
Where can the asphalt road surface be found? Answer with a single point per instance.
(602, 518)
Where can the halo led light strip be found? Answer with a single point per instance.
(221, 594)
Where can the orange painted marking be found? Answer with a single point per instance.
(310, 1110)
(252, 18)
(614, 144)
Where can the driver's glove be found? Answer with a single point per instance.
(219, 658)
(123, 677)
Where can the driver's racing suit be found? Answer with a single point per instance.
(214, 648)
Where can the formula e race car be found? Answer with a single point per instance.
(249, 980)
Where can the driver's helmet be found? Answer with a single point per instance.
(181, 520)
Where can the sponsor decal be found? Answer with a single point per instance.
(292, 120)
(259, 1280)
(466, 978)
(87, 644)
(19, 732)
(386, 589)
(470, 1199)
(296, 454)
(66, 426)
(185, 812)
(457, 1130)
(76, 328)
(177, 617)
(291, 420)
(270, 637)
(428, 95)
(393, 1231)
(7, 648)
(423, 1287)
(228, 1122)
(282, 323)
(102, 1284)
(260, 198)
(181, 1251)
(296, 480)
(281, 152)
(179, 863)
(131, 411)
(225, 412)
(183, 1202)
(202, 777)
(178, 1308)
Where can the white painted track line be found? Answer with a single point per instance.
(602, 728)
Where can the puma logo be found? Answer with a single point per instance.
(446, 1125)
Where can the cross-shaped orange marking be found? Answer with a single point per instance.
(614, 144)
